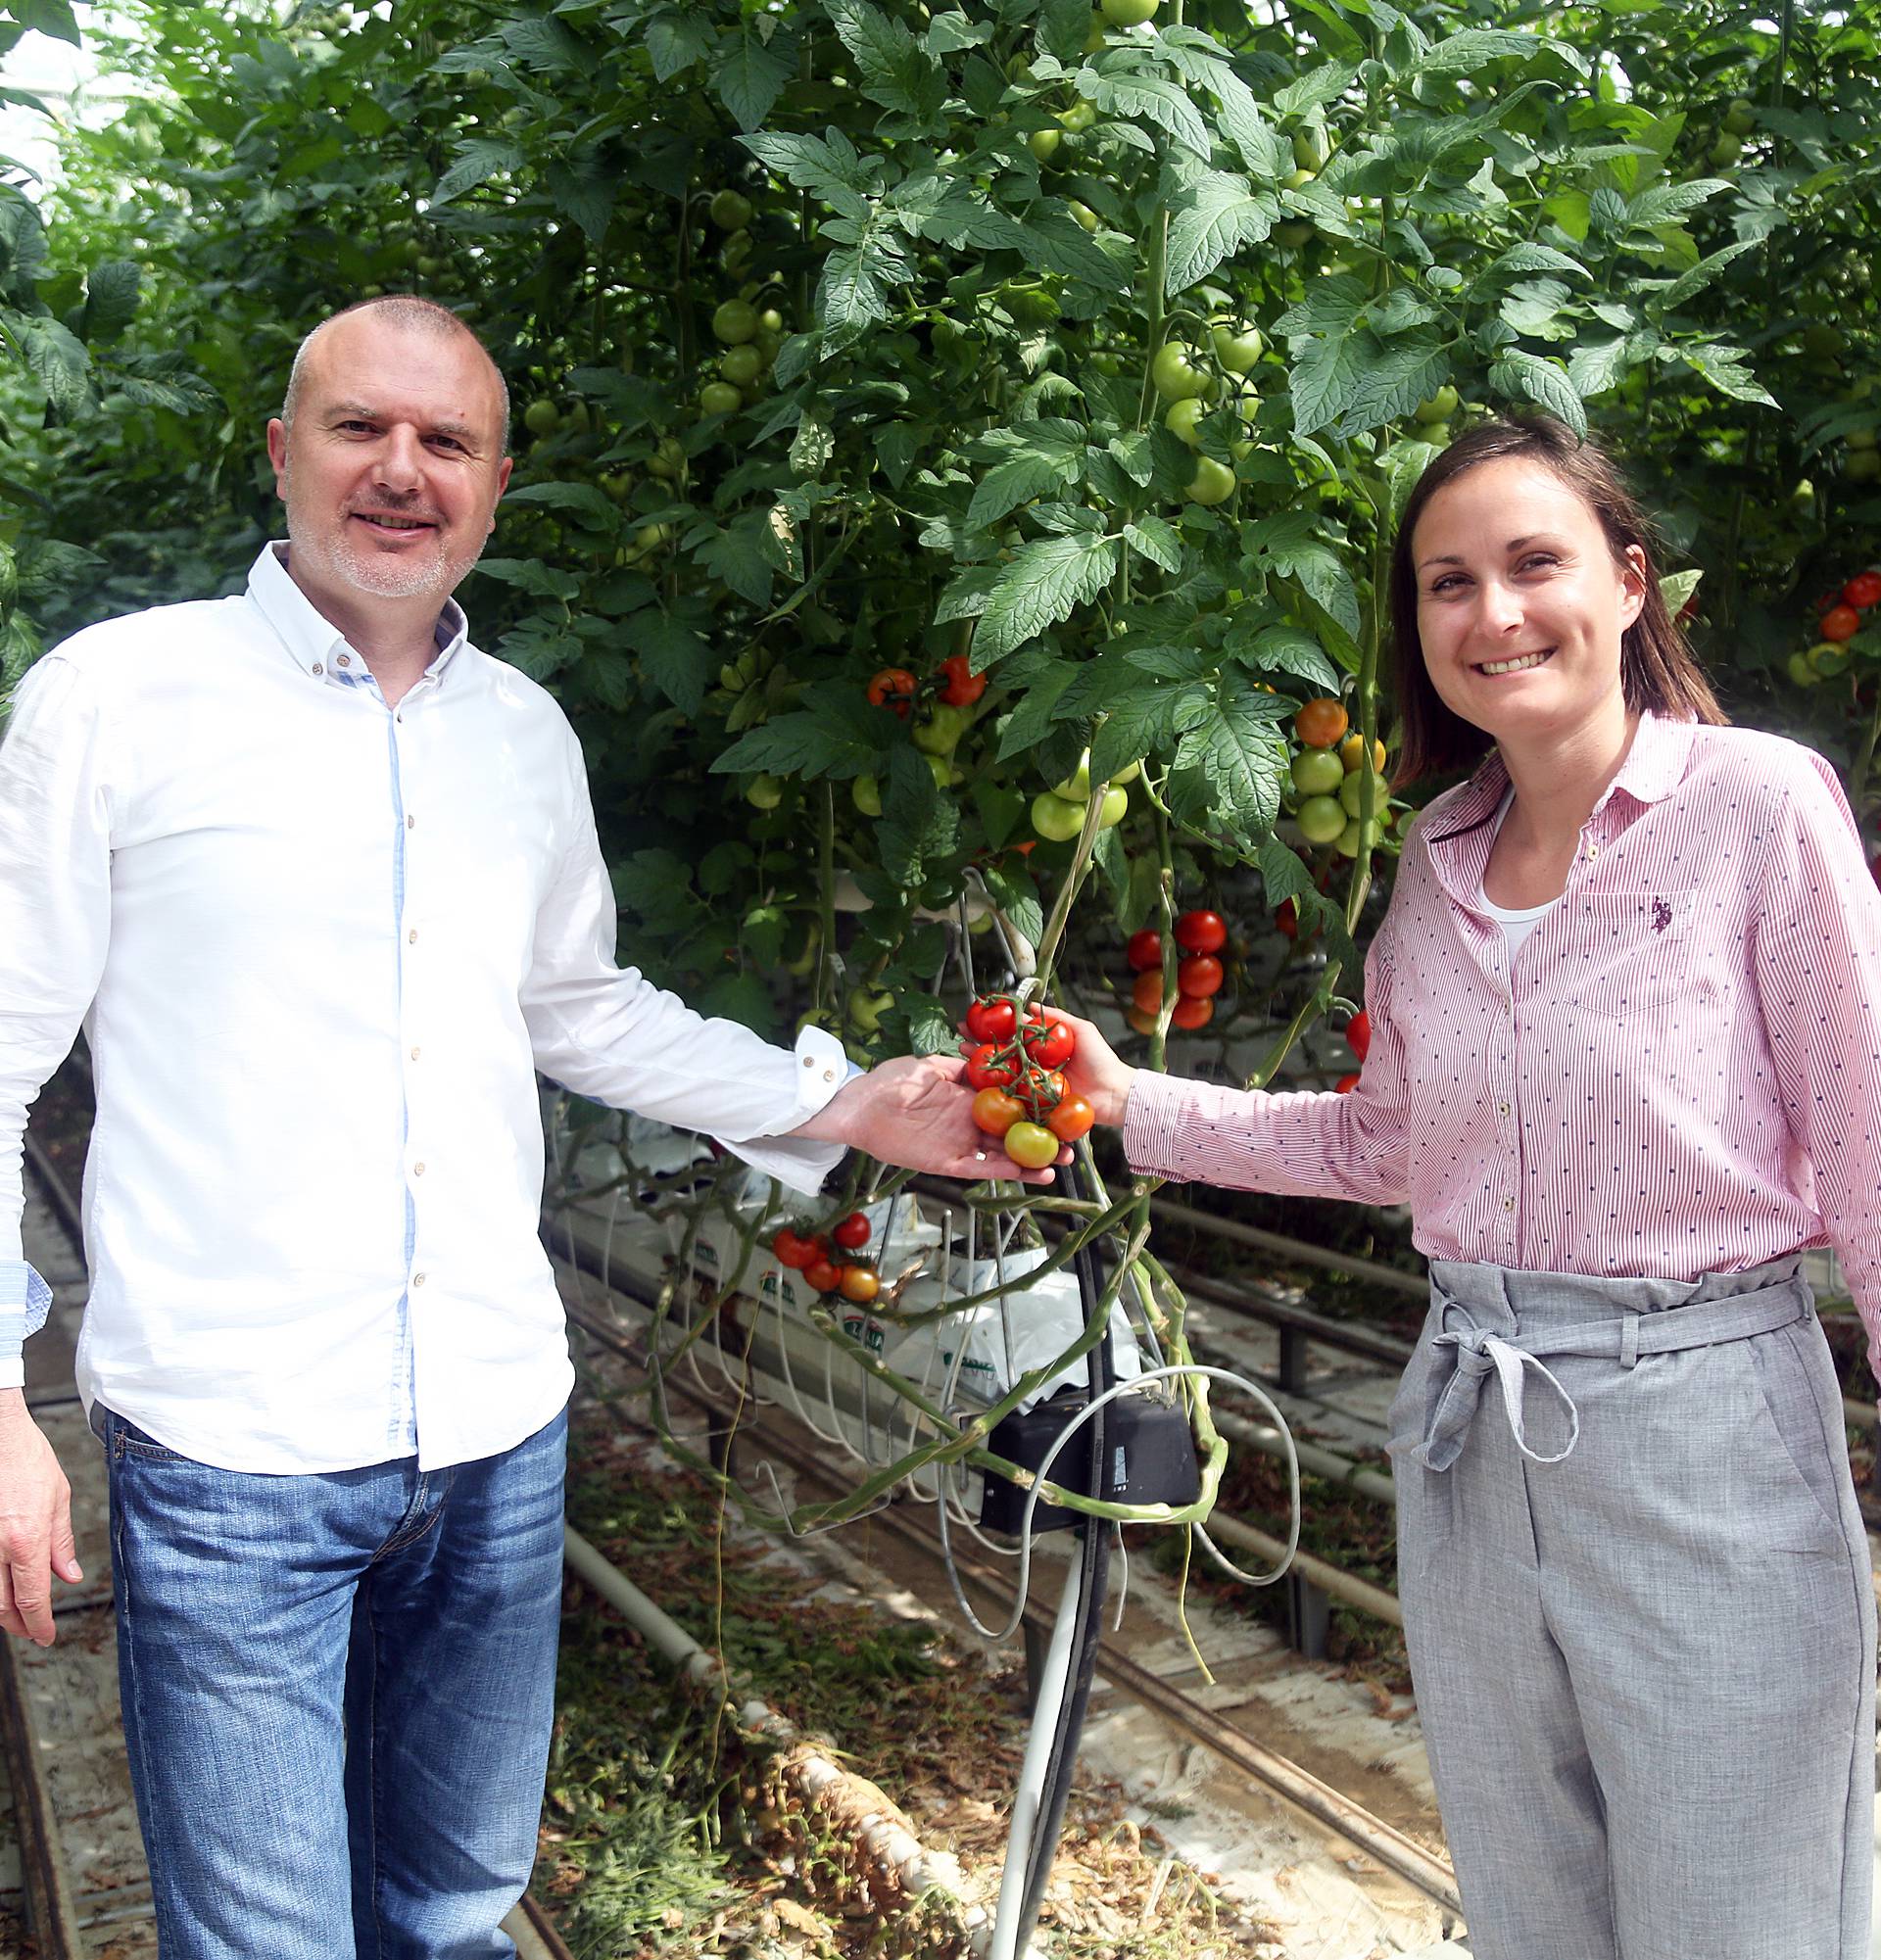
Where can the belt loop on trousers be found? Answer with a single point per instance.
(1630, 1338)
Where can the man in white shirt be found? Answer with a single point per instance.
(320, 881)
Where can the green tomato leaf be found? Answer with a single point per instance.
(752, 76)
(582, 497)
(1540, 381)
(477, 161)
(836, 733)
(531, 575)
(1147, 721)
(1157, 541)
(931, 1028)
(111, 299)
(1216, 216)
(1039, 457)
(673, 657)
(1011, 888)
(1031, 720)
(1046, 580)
(895, 70)
(1148, 98)
(1728, 370)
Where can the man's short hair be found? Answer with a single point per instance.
(409, 310)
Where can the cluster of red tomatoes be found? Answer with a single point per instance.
(1014, 1063)
(1840, 621)
(818, 1256)
(956, 685)
(1198, 975)
(1358, 1036)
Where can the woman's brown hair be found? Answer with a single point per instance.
(1657, 668)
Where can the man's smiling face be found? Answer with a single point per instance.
(394, 463)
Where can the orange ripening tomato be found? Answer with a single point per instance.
(962, 685)
(1321, 723)
(1191, 1014)
(1147, 994)
(1146, 1023)
(1863, 591)
(1071, 1119)
(1840, 622)
(859, 1283)
(995, 1112)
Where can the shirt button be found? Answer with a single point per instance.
(809, 1061)
(410, 822)
(829, 1075)
(1593, 850)
(317, 668)
(345, 660)
(417, 1169)
(1508, 1204)
(1502, 1109)
(411, 937)
(418, 1279)
(414, 1054)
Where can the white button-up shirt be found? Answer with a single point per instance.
(319, 947)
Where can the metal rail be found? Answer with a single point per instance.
(1378, 1838)
(51, 1911)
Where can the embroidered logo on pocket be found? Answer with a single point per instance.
(1661, 915)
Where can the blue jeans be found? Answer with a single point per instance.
(338, 1691)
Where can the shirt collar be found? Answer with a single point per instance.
(315, 644)
(1654, 766)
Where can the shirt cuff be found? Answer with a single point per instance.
(24, 1302)
(801, 1165)
(1152, 1119)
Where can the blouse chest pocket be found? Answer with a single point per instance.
(1631, 954)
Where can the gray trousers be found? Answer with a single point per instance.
(1640, 1612)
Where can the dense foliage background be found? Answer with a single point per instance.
(829, 326)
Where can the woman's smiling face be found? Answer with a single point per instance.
(1522, 603)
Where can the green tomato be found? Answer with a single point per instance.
(667, 459)
(1318, 771)
(1174, 374)
(1128, 12)
(1823, 340)
(865, 793)
(1076, 788)
(1309, 149)
(1212, 483)
(1237, 348)
(1298, 179)
(734, 320)
(944, 773)
(765, 793)
(1030, 1144)
(940, 733)
(1078, 117)
(618, 486)
(741, 364)
(1321, 818)
(1439, 408)
(1862, 465)
(1182, 416)
(542, 418)
(730, 211)
(1860, 439)
(1054, 819)
(1084, 213)
(1740, 118)
(1352, 787)
(1828, 659)
(1437, 434)
(1043, 143)
(720, 398)
(1351, 840)
(867, 1008)
(1801, 673)
(1725, 152)
(1294, 236)
(1094, 33)
(1129, 773)
(1111, 811)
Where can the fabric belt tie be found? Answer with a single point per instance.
(1475, 1352)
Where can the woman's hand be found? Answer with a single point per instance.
(1094, 1070)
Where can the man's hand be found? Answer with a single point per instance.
(918, 1114)
(36, 1524)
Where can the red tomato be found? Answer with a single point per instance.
(854, 1232)
(1201, 932)
(1043, 1089)
(995, 1112)
(788, 1249)
(1193, 1014)
(1199, 975)
(824, 1276)
(1071, 1118)
(963, 687)
(989, 1068)
(892, 687)
(1358, 1035)
(1147, 994)
(991, 1019)
(859, 1283)
(1321, 723)
(1840, 622)
(1031, 1145)
(1049, 1043)
(1346, 1084)
(1287, 918)
(1145, 951)
(1863, 591)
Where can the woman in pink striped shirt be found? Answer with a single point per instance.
(1625, 1069)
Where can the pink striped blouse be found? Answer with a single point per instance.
(1680, 1075)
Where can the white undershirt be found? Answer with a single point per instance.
(1516, 924)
